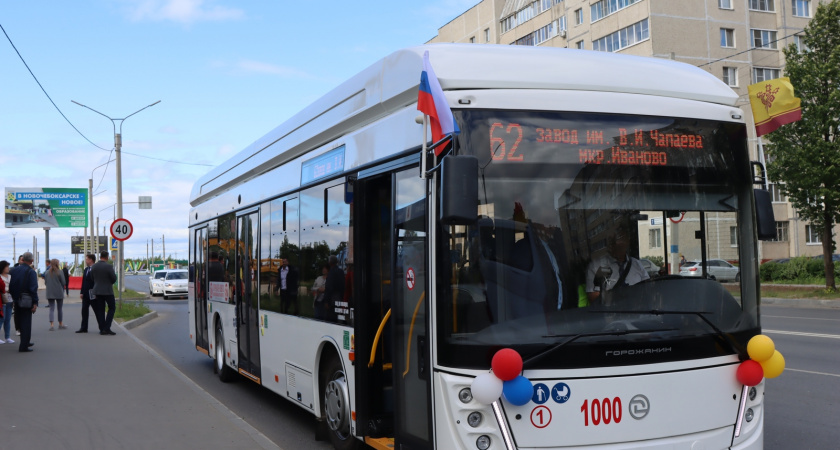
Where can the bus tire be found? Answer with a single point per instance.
(335, 405)
(221, 369)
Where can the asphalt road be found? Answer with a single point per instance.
(801, 408)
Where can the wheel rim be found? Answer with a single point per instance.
(336, 406)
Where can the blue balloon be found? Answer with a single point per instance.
(518, 391)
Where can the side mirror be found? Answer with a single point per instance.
(459, 190)
(764, 217)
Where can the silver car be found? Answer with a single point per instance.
(717, 269)
(156, 282)
(175, 283)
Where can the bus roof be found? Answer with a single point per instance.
(392, 83)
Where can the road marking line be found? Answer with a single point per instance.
(798, 333)
(806, 318)
(815, 373)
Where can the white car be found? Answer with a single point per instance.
(175, 283)
(717, 269)
(156, 282)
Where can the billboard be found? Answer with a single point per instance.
(46, 207)
(77, 243)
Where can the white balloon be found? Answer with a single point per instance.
(487, 388)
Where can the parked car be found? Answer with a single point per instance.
(717, 269)
(175, 284)
(156, 282)
(835, 257)
(651, 268)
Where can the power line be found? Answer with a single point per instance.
(107, 163)
(45, 91)
(165, 160)
(748, 50)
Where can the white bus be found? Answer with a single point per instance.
(569, 166)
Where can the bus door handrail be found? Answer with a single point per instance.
(376, 338)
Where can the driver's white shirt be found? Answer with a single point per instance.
(636, 274)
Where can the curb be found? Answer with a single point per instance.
(139, 321)
(801, 302)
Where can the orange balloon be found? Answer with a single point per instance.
(774, 366)
(761, 348)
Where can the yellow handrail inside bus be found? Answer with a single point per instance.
(376, 339)
(411, 332)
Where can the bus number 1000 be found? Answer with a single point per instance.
(601, 411)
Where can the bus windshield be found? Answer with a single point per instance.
(578, 216)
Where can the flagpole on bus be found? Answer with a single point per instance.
(423, 152)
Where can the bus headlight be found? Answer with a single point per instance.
(465, 395)
(749, 415)
(483, 442)
(474, 419)
(752, 393)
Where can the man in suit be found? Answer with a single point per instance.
(104, 278)
(66, 273)
(87, 285)
(24, 281)
(287, 284)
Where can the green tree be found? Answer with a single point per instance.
(805, 155)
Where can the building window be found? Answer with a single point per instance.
(725, 4)
(776, 193)
(812, 235)
(578, 16)
(623, 38)
(799, 40)
(561, 24)
(781, 232)
(508, 23)
(761, 74)
(730, 76)
(486, 35)
(655, 237)
(801, 8)
(733, 236)
(762, 5)
(764, 39)
(604, 8)
(472, 40)
(579, 45)
(727, 37)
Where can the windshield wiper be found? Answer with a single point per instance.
(575, 337)
(660, 312)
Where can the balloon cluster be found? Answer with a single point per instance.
(506, 379)
(765, 361)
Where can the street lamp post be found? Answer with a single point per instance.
(90, 198)
(117, 150)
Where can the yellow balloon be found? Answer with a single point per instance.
(761, 348)
(774, 366)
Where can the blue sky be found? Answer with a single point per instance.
(226, 73)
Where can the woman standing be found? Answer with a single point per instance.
(55, 282)
(6, 301)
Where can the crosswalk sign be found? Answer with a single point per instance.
(115, 245)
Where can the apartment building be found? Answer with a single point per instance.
(739, 41)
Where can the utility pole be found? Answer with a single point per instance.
(163, 242)
(148, 266)
(153, 256)
(14, 247)
(47, 242)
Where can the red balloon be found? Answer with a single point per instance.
(507, 364)
(749, 373)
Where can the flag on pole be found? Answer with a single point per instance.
(432, 102)
(773, 104)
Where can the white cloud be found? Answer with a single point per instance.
(271, 69)
(182, 11)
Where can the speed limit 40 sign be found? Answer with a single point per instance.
(121, 229)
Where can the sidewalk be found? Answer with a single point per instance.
(86, 391)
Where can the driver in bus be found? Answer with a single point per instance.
(616, 267)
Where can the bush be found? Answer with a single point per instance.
(769, 271)
(658, 260)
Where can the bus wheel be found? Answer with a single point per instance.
(220, 368)
(336, 406)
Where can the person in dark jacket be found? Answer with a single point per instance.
(16, 318)
(287, 284)
(24, 281)
(334, 289)
(87, 285)
(104, 278)
(66, 273)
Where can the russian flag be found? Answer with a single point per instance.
(431, 101)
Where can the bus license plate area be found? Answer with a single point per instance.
(632, 408)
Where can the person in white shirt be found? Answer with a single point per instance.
(615, 268)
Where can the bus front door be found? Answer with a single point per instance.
(198, 276)
(410, 313)
(247, 296)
